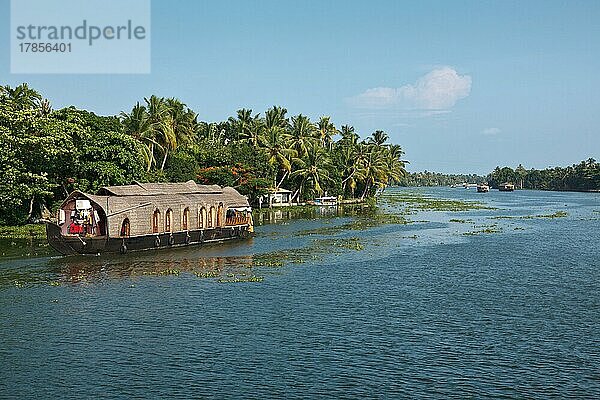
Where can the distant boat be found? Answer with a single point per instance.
(326, 201)
(506, 187)
(483, 188)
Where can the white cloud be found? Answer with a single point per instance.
(440, 89)
(491, 131)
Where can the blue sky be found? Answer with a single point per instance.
(463, 86)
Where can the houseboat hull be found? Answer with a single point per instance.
(73, 245)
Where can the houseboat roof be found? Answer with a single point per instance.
(149, 189)
(146, 194)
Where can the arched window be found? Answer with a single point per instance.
(201, 218)
(220, 215)
(155, 221)
(125, 228)
(186, 219)
(168, 220)
(211, 216)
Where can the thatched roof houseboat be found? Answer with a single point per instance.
(148, 215)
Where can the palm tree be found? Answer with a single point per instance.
(373, 169)
(273, 140)
(348, 165)
(214, 132)
(302, 134)
(314, 171)
(22, 96)
(349, 135)
(245, 126)
(161, 124)
(326, 132)
(395, 170)
(178, 126)
(276, 117)
(137, 123)
(378, 138)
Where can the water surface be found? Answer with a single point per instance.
(501, 302)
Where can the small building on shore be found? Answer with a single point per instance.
(279, 197)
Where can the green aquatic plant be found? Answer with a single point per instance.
(30, 231)
(252, 278)
(557, 214)
(421, 202)
(316, 250)
(484, 229)
(207, 274)
(359, 224)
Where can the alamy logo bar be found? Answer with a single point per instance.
(68, 36)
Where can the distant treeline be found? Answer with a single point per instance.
(584, 176)
(48, 153)
(427, 178)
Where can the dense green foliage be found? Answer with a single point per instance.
(254, 153)
(49, 153)
(427, 178)
(584, 176)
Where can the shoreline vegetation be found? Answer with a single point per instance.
(582, 177)
(49, 153)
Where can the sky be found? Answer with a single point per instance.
(463, 86)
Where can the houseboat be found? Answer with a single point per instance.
(148, 216)
(326, 201)
(483, 188)
(506, 187)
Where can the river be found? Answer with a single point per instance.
(485, 302)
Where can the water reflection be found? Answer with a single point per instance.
(78, 270)
(277, 215)
(22, 248)
(82, 270)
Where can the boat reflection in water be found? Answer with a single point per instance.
(205, 262)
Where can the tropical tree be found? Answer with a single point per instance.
(21, 97)
(301, 134)
(162, 124)
(274, 142)
(313, 171)
(349, 135)
(373, 169)
(138, 124)
(245, 126)
(378, 138)
(326, 131)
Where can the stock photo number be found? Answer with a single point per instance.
(36, 47)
